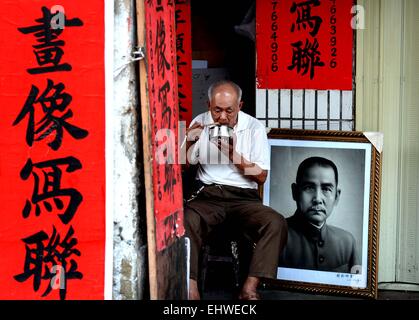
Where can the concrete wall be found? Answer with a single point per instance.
(129, 241)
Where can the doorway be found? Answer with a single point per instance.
(219, 51)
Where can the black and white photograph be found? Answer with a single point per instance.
(323, 190)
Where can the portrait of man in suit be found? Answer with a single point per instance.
(312, 242)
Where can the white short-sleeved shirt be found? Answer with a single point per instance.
(252, 144)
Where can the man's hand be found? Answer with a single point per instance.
(249, 169)
(228, 148)
(193, 133)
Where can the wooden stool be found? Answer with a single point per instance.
(221, 247)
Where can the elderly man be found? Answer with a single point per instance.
(228, 175)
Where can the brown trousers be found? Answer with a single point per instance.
(266, 227)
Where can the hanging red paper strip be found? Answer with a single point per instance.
(163, 100)
(184, 58)
(52, 160)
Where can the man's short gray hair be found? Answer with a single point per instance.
(220, 83)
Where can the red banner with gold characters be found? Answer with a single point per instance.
(164, 111)
(52, 160)
(304, 44)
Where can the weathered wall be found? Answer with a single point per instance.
(387, 101)
(129, 255)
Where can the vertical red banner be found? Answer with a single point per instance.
(52, 136)
(163, 100)
(184, 58)
(304, 44)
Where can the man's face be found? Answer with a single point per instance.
(224, 105)
(317, 194)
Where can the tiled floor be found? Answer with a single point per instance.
(287, 295)
(382, 295)
(219, 286)
(223, 289)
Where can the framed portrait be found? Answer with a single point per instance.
(327, 186)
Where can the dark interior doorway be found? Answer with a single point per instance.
(215, 40)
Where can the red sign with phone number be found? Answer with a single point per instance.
(304, 44)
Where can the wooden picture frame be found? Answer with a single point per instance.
(324, 270)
